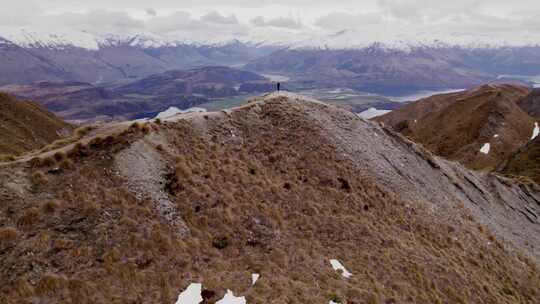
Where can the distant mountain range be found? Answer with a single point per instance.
(377, 68)
(113, 61)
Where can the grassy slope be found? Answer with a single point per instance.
(276, 198)
(526, 162)
(25, 126)
(456, 125)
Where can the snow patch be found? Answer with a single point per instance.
(372, 112)
(332, 302)
(338, 266)
(229, 298)
(254, 278)
(485, 148)
(172, 111)
(496, 135)
(536, 131)
(192, 295)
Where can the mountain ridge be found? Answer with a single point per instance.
(480, 127)
(26, 126)
(305, 183)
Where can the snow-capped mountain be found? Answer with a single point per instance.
(343, 39)
(344, 59)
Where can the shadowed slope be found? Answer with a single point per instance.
(25, 125)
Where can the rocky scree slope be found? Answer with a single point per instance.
(278, 187)
(25, 125)
(480, 127)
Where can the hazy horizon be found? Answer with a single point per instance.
(295, 22)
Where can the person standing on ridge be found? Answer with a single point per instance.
(278, 86)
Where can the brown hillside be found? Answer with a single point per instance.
(25, 125)
(531, 103)
(526, 162)
(276, 187)
(458, 125)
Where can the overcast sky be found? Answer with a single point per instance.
(453, 21)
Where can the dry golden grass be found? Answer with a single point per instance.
(50, 206)
(67, 164)
(59, 156)
(83, 131)
(50, 284)
(136, 126)
(7, 158)
(48, 161)
(145, 129)
(29, 217)
(285, 203)
(8, 235)
(79, 149)
(39, 178)
(60, 143)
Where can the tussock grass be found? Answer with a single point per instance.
(50, 284)
(83, 131)
(7, 158)
(122, 249)
(59, 156)
(39, 178)
(29, 217)
(136, 126)
(48, 161)
(67, 164)
(35, 162)
(77, 135)
(50, 206)
(8, 235)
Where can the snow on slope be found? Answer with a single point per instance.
(192, 295)
(536, 131)
(485, 148)
(64, 37)
(44, 38)
(229, 298)
(372, 113)
(171, 111)
(338, 266)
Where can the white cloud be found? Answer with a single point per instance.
(183, 25)
(99, 21)
(18, 13)
(150, 12)
(216, 17)
(285, 22)
(456, 21)
(340, 20)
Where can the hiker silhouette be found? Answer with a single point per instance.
(278, 86)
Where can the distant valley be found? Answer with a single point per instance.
(143, 97)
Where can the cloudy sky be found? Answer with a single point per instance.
(337, 22)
